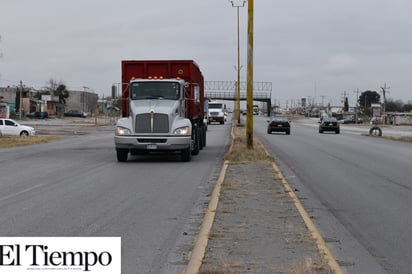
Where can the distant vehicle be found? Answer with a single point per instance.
(75, 113)
(350, 121)
(11, 127)
(255, 109)
(37, 115)
(279, 124)
(216, 112)
(329, 124)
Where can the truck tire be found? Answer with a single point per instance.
(122, 154)
(204, 137)
(186, 155)
(201, 136)
(196, 141)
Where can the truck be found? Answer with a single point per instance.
(255, 109)
(216, 112)
(162, 109)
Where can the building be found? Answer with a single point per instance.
(82, 100)
(78, 100)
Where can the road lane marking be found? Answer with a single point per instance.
(21, 192)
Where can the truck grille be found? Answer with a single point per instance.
(144, 125)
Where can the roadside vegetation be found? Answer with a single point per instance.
(394, 138)
(15, 141)
(238, 153)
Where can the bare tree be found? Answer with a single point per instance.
(58, 89)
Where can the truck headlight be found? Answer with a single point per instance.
(182, 131)
(122, 131)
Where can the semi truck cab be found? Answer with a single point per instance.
(157, 119)
(216, 112)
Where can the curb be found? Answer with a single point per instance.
(198, 252)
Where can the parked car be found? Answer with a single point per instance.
(75, 113)
(329, 124)
(279, 124)
(350, 121)
(37, 115)
(11, 127)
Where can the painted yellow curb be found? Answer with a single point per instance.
(198, 252)
(320, 242)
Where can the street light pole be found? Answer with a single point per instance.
(237, 6)
(249, 121)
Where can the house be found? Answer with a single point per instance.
(83, 100)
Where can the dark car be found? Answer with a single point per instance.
(279, 124)
(350, 121)
(75, 113)
(329, 124)
(37, 115)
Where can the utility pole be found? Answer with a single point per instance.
(356, 105)
(384, 91)
(20, 99)
(249, 120)
(237, 108)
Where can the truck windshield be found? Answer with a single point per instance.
(155, 90)
(215, 105)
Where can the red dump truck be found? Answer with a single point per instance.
(162, 109)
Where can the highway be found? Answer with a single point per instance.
(357, 189)
(76, 187)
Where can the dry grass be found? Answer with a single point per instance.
(394, 138)
(239, 153)
(14, 141)
(310, 266)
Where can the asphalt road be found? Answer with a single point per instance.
(76, 187)
(356, 188)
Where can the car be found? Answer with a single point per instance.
(75, 113)
(11, 127)
(37, 115)
(329, 124)
(350, 121)
(279, 124)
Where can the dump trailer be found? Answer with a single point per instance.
(162, 109)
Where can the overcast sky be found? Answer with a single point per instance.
(318, 49)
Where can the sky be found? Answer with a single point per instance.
(321, 50)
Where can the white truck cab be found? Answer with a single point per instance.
(216, 112)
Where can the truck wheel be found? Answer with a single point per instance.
(201, 136)
(186, 155)
(196, 142)
(204, 137)
(122, 154)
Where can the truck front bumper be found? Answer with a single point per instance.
(216, 119)
(152, 143)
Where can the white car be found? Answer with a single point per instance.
(11, 127)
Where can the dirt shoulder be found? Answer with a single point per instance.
(257, 227)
